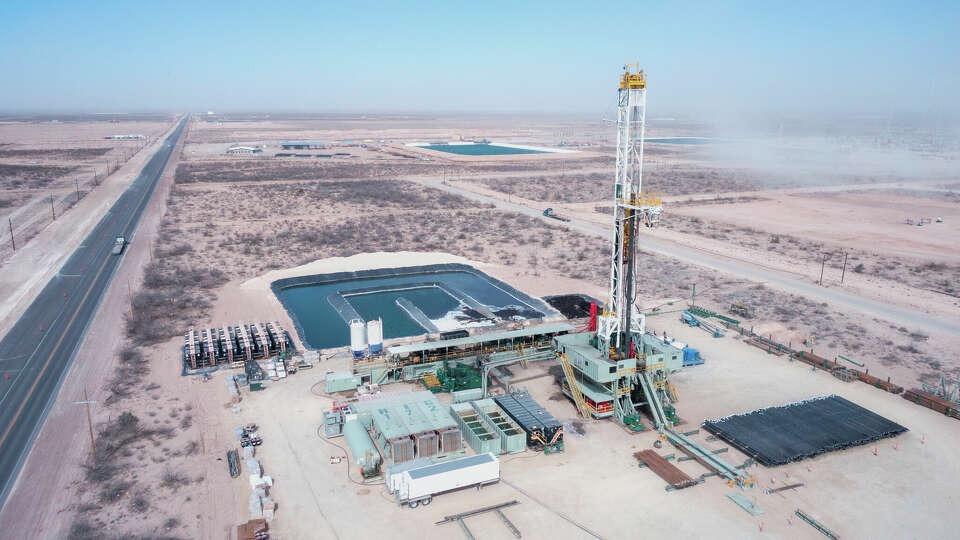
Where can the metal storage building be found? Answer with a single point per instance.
(409, 426)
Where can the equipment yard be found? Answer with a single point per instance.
(349, 326)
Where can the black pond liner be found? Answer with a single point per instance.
(779, 435)
(572, 306)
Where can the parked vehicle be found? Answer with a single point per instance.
(420, 485)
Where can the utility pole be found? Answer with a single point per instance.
(822, 264)
(693, 297)
(12, 242)
(87, 402)
(52, 211)
(77, 182)
(844, 271)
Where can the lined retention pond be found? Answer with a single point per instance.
(482, 149)
(411, 301)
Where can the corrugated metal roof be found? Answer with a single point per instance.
(481, 338)
(454, 465)
(406, 414)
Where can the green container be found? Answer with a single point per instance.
(256, 386)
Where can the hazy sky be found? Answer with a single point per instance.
(793, 57)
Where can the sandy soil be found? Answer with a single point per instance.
(27, 271)
(63, 443)
(861, 220)
(44, 160)
(853, 492)
(232, 229)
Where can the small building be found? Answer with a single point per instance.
(125, 137)
(243, 150)
(302, 145)
(409, 426)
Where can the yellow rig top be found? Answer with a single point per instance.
(633, 77)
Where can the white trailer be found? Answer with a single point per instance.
(419, 485)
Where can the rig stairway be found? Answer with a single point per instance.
(574, 387)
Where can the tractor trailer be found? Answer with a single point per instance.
(417, 486)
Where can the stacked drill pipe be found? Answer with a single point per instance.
(823, 363)
(771, 346)
(931, 401)
(768, 345)
(672, 475)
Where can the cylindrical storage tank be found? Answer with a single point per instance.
(358, 338)
(375, 336)
(365, 454)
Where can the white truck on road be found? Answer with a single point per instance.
(419, 485)
(118, 245)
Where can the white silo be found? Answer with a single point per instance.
(375, 336)
(358, 338)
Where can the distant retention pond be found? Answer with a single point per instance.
(482, 149)
(680, 140)
(411, 301)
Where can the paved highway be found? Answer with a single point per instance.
(784, 281)
(38, 350)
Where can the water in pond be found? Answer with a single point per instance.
(679, 140)
(481, 149)
(449, 300)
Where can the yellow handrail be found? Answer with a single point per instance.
(574, 387)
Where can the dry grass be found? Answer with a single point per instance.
(670, 179)
(30, 176)
(55, 153)
(933, 276)
(269, 169)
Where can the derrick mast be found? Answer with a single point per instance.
(620, 321)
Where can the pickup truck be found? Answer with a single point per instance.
(118, 244)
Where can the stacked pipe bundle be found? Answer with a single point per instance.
(779, 435)
(931, 401)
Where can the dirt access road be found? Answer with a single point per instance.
(784, 281)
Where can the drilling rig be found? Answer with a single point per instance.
(619, 369)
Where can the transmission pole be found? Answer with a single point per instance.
(823, 263)
(87, 402)
(844, 271)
